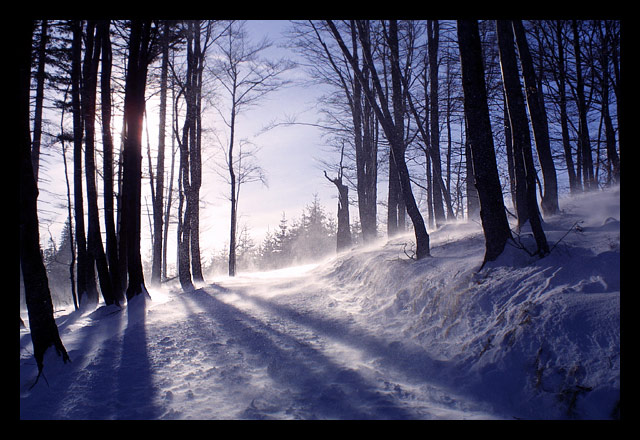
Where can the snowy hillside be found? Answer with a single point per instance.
(365, 335)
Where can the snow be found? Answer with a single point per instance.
(369, 334)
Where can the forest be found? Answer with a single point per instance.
(427, 123)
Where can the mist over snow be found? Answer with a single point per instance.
(369, 334)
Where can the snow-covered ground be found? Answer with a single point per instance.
(365, 335)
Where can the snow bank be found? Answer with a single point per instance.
(537, 338)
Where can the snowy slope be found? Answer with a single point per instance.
(366, 335)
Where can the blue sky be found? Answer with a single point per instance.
(287, 154)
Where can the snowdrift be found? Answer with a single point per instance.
(367, 334)
(537, 338)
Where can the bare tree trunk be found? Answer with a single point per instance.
(95, 247)
(72, 248)
(232, 182)
(86, 287)
(156, 265)
(574, 183)
(520, 134)
(538, 122)
(343, 237)
(196, 159)
(434, 114)
(492, 212)
(584, 143)
(167, 215)
(366, 153)
(610, 135)
(42, 325)
(37, 118)
(107, 161)
(473, 202)
(389, 126)
(132, 163)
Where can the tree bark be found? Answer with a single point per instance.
(95, 247)
(86, 286)
(37, 119)
(574, 182)
(42, 325)
(156, 265)
(343, 236)
(521, 139)
(388, 125)
(433, 32)
(538, 122)
(107, 161)
(492, 212)
(132, 161)
(610, 134)
(366, 152)
(584, 143)
(196, 158)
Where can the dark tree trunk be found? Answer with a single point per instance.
(574, 183)
(392, 197)
(42, 325)
(196, 159)
(433, 32)
(511, 166)
(233, 183)
(167, 214)
(538, 122)
(86, 284)
(343, 237)
(492, 212)
(184, 222)
(366, 152)
(156, 265)
(521, 139)
(473, 203)
(132, 161)
(95, 247)
(37, 118)
(584, 143)
(388, 125)
(610, 134)
(395, 135)
(107, 145)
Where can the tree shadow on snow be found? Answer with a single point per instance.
(110, 375)
(319, 387)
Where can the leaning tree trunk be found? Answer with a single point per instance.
(42, 325)
(538, 122)
(521, 140)
(492, 212)
(388, 125)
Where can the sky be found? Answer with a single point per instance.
(288, 155)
